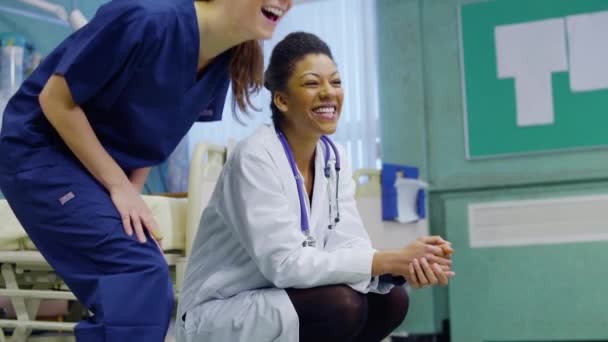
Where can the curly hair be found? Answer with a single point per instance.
(285, 55)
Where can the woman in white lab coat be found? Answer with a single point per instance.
(277, 259)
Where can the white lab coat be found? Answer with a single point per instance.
(249, 247)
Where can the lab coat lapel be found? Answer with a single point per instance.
(284, 173)
(317, 208)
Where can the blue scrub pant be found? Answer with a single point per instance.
(72, 221)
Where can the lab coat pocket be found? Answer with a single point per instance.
(212, 287)
(248, 316)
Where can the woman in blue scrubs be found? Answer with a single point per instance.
(109, 102)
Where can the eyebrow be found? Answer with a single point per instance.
(315, 74)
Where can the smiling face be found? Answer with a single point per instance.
(312, 103)
(256, 19)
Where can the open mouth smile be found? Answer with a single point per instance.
(273, 13)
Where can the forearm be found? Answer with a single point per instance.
(71, 123)
(398, 263)
(309, 267)
(386, 262)
(138, 177)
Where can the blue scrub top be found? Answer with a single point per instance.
(133, 70)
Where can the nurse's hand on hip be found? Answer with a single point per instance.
(135, 214)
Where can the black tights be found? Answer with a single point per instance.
(338, 313)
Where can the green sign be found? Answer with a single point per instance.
(535, 75)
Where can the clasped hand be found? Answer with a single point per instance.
(430, 262)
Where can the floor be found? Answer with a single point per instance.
(170, 337)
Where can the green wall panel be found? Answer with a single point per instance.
(525, 293)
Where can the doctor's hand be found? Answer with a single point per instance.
(422, 274)
(435, 249)
(134, 212)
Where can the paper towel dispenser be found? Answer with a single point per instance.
(403, 194)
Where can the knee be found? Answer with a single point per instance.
(350, 308)
(397, 306)
(158, 296)
(164, 287)
(143, 297)
(153, 284)
(159, 270)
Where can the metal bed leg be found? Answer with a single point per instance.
(25, 309)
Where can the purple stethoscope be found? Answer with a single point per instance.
(304, 224)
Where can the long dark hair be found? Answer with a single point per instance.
(289, 51)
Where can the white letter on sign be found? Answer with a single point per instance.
(588, 51)
(530, 53)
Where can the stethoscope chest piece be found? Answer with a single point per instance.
(310, 241)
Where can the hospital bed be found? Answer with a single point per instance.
(27, 281)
